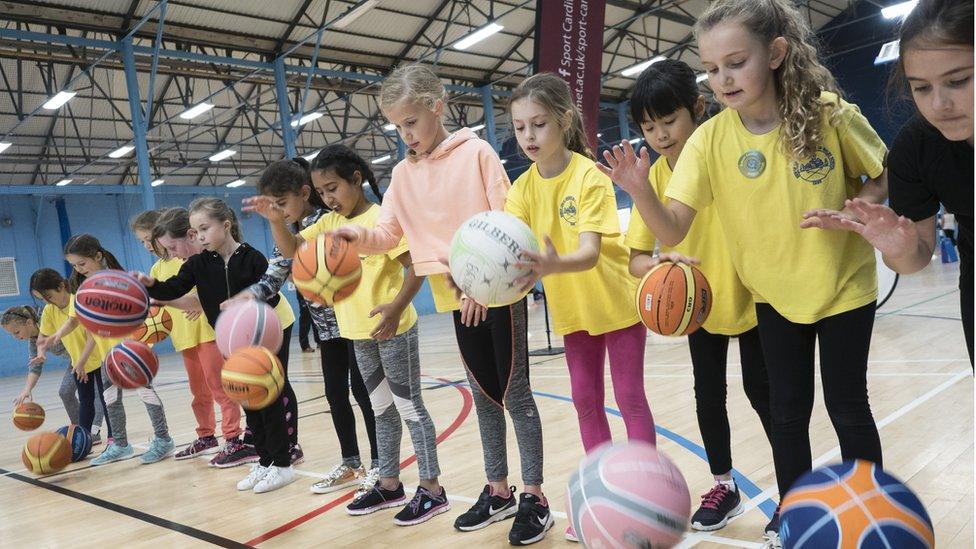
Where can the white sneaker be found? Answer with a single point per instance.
(257, 473)
(276, 477)
(369, 481)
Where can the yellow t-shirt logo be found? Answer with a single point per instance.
(567, 210)
(817, 168)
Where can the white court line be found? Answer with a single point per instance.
(694, 539)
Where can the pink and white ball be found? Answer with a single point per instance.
(246, 324)
(628, 495)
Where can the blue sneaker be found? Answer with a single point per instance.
(114, 452)
(158, 450)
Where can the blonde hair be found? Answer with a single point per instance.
(415, 83)
(217, 209)
(799, 79)
(552, 93)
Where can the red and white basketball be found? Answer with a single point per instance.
(674, 299)
(247, 324)
(628, 495)
(131, 364)
(111, 303)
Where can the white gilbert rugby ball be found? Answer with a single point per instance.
(483, 256)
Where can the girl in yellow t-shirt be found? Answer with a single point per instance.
(786, 149)
(386, 347)
(87, 256)
(667, 105)
(194, 340)
(570, 206)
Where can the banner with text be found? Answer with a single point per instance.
(569, 42)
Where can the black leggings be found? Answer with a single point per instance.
(338, 366)
(789, 350)
(708, 357)
(275, 427)
(86, 398)
(966, 306)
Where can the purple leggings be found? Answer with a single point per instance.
(585, 355)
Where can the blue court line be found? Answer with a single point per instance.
(749, 488)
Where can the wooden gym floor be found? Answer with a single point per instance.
(920, 382)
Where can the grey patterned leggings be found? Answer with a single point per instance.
(391, 371)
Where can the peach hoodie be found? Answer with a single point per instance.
(431, 196)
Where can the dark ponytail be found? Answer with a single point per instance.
(88, 246)
(346, 163)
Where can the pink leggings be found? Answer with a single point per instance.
(585, 355)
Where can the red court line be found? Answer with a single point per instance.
(462, 415)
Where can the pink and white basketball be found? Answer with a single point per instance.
(247, 324)
(628, 495)
(111, 303)
(131, 364)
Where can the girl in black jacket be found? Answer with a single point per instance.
(225, 267)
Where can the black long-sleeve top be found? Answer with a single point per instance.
(215, 281)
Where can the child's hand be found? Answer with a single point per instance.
(79, 370)
(451, 285)
(24, 395)
(472, 313)
(389, 321)
(265, 206)
(345, 233)
(625, 168)
(538, 264)
(143, 278)
(37, 360)
(241, 297)
(675, 257)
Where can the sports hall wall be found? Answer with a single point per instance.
(33, 236)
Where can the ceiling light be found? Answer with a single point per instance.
(157, 182)
(4, 146)
(236, 183)
(477, 36)
(226, 153)
(701, 78)
(899, 10)
(121, 151)
(63, 182)
(196, 111)
(58, 100)
(306, 119)
(381, 159)
(354, 14)
(389, 127)
(636, 69)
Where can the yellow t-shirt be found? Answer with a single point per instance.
(186, 334)
(381, 280)
(733, 311)
(760, 196)
(445, 299)
(284, 312)
(102, 344)
(578, 200)
(52, 318)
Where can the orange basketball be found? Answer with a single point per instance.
(326, 270)
(28, 416)
(674, 299)
(46, 453)
(156, 328)
(253, 377)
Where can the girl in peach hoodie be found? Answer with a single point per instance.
(445, 179)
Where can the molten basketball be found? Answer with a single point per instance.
(28, 416)
(131, 364)
(483, 254)
(326, 270)
(253, 377)
(111, 303)
(46, 453)
(853, 504)
(79, 440)
(248, 323)
(628, 495)
(156, 328)
(674, 299)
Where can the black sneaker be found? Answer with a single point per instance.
(376, 499)
(771, 532)
(486, 510)
(423, 507)
(532, 521)
(718, 505)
